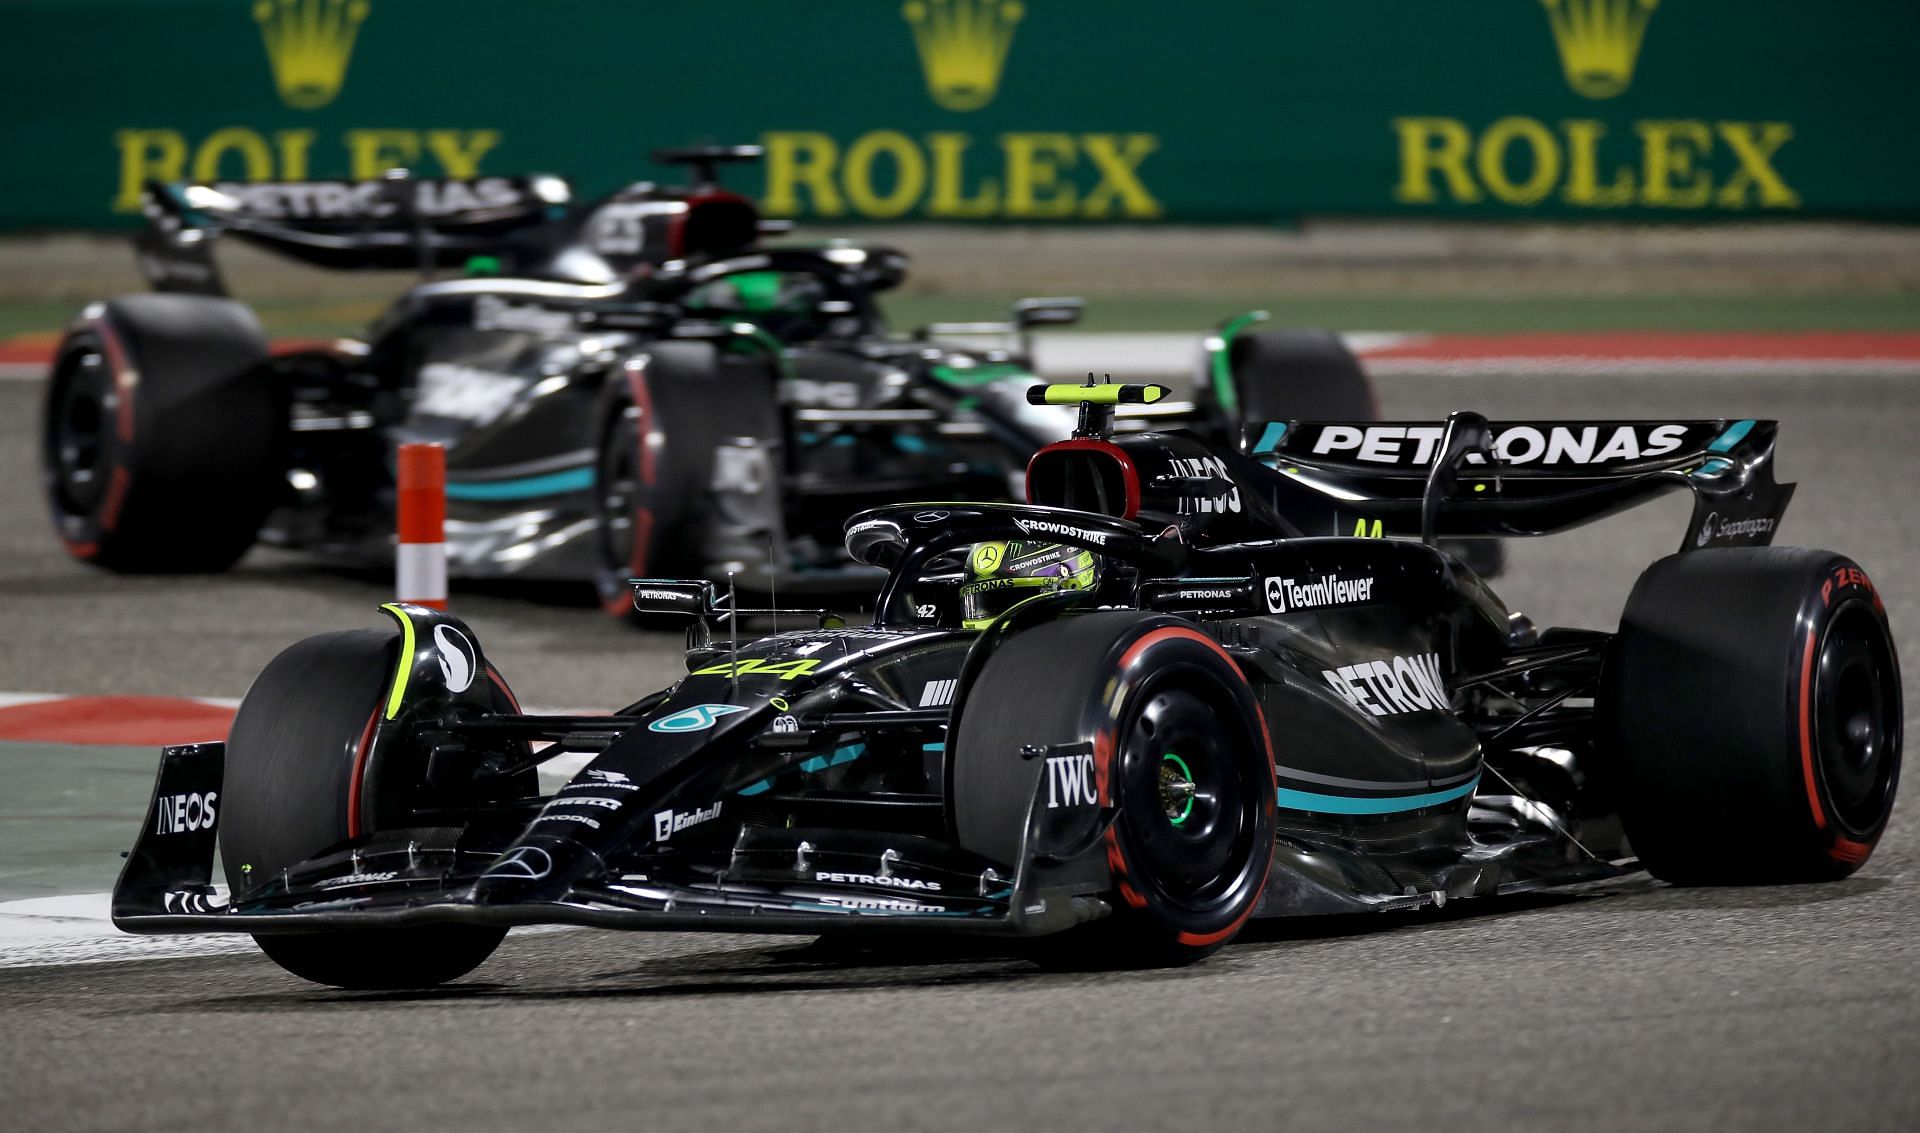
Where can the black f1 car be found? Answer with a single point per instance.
(634, 386)
(1215, 695)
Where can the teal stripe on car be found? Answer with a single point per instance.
(522, 487)
(1352, 804)
(1733, 436)
(840, 755)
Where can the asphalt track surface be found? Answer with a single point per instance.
(1648, 1007)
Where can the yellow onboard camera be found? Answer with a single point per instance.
(1096, 402)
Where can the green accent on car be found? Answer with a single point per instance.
(758, 290)
(1186, 773)
(1219, 353)
(1108, 393)
(483, 265)
(979, 374)
(406, 659)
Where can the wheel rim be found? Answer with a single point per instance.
(1177, 788)
(1186, 801)
(84, 404)
(1856, 716)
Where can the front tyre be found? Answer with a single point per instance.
(294, 753)
(1751, 707)
(1179, 750)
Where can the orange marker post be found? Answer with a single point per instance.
(420, 559)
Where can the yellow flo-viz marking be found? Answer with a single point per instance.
(406, 659)
(1106, 394)
(759, 667)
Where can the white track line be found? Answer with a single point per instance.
(42, 932)
(1579, 366)
(78, 929)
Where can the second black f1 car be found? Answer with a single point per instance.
(635, 385)
(1182, 688)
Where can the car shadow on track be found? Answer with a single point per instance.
(848, 963)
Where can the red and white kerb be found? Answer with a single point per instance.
(420, 559)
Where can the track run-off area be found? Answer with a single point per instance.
(1640, 1006)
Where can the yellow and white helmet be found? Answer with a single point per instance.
(1002, 575)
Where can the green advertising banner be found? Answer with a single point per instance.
(994, 110)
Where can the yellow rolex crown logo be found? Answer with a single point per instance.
(309, 43)
(1598, 41)
(962, 45)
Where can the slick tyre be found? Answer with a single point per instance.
(291, 760)
(1298, 375)
(1178, 751)
(1751, 710)
(162, 443)
(666, 415)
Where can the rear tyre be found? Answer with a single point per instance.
(1178, 748)
(1752, 709)
(1298, 375)
(291, 760)
(162, 446)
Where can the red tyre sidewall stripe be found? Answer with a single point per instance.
(621, 604)
(643, 400)
(122, 376)
(354, 792)
(1842, 849)
(116, 499)
(1806, 734)
(500, 683)
(108, 517)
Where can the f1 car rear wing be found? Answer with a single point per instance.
(392, 223)
(1469, 476)
(400, 221)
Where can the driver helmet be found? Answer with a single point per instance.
(1000, 575)
(758, 293)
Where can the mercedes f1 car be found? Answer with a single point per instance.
(1181, 688)
(635, 386)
